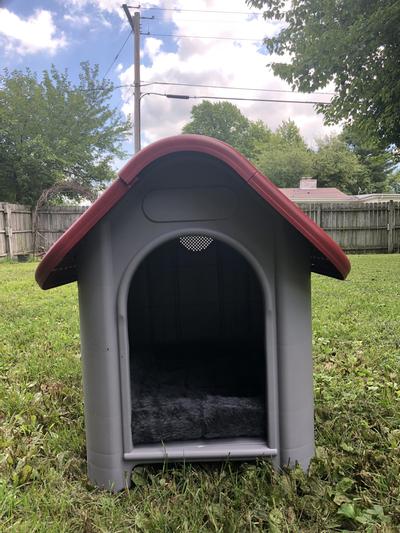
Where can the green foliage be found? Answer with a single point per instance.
(336, 166)
(285, 158)
(353, 44)
(352, 484)
(52, 130)
(394, 182)
(225, 122)
(351, 161)
(378, 164)
(289, 134)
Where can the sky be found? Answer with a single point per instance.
(220, 44)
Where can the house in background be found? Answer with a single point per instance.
(308, 191)
(378, 197)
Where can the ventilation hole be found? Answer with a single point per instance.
(195, 243)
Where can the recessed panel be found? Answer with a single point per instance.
(191, 204)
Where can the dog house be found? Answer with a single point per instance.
(194, 293)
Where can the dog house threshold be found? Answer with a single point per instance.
(202, 450)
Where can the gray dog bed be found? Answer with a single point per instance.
(184, 392)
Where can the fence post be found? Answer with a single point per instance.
(8, 230)
(34, 218)
(390, 226)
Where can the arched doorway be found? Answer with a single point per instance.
(196, 327)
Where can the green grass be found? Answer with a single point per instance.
(353, 483)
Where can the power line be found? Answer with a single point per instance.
(147, 83)
(117, 56)
(148, 34)
(192, 97)
(220, 21)
(257, 14)
(204, 86)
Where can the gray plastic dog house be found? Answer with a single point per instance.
(194, 292)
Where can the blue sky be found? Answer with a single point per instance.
(84, 33)
(37, 33)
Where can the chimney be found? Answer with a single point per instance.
(308, 183)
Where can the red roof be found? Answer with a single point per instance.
(323, 194)
(59, 267)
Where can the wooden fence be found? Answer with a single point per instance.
(357, 227)
(17, 232)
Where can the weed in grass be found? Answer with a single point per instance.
(352, 484)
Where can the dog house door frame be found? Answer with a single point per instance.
(238, 448)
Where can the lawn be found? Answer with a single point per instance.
(353, 483)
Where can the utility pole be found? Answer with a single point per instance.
(135, 25)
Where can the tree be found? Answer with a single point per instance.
(348, 161)
(225, 122)
(335, 165)
(378, 163)
(393, 183)
(289, 134)
(285, 158)
(52, 130)
(353, 44)
(351, 161)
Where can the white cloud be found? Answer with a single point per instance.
(104, 21)
(28, 36)
(152, 47)
(231, 63)
(109, 6)
(77, 16)
(77, 20)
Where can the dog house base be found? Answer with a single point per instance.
(114, 480)
(239, 449)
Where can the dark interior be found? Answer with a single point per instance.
(196, 334)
